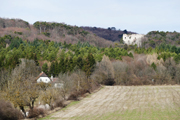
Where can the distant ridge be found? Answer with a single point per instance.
(109, 34)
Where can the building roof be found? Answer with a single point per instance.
(42, 74)
(56, 80)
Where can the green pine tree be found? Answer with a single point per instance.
(52, 69)
(87, 68)
(91, 59)
(153, 65)
(89, 63)
(36, 60)
(71, 65)
(80, 62)
(45, 68)
(56, 69)
(66, 65)
(61, 65)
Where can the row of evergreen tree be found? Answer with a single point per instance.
(68, 65)
(40, 50)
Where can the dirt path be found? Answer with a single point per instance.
(126, 102)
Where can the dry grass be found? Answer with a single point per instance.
(126, 102)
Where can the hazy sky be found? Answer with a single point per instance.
(139, 16)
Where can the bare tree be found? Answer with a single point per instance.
(104, 72)
(4, 77)
(21, 88)
(50, 96)
(80, 81)
(119, 72)
(162, 76)
(177, 77)
(65, 80)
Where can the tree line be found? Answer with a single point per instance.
(53, 52)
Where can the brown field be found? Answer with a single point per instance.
(125, 102)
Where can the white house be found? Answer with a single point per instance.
(56, 82)
(43, 78)
(132, 39)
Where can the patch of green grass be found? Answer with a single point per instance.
(47, 117)
(89, 95)
(71, 104)
(165, 114)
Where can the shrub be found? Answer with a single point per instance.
(153, 65)
(104, 73)
(73, 96)
(7, 112)
(59, 103)
(35, 112)
(162, 76)
(19, 33)
(133, 72)
(46, 34)
(83, 92)
(94, 86)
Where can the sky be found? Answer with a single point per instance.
(140, 16)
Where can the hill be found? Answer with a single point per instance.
(58, 32)
(156, 38)
(109, 34)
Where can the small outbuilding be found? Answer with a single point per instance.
(57, 83)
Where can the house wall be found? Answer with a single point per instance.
(132, 39)
(58, 85)
(43, 79)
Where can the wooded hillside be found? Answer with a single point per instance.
(58, 32)
(155, 38)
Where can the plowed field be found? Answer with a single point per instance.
(126, 102)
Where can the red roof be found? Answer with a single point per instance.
(42, 74)
(55, 79)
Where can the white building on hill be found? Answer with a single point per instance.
(132, 39)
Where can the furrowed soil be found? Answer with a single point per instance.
(126, 102)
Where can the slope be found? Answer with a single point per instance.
(52, 31)
(126, 102)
